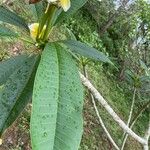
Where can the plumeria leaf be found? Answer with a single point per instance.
(39, 9)
(56, 121)
(61, 33)
(5, 32)
(12, 18)
(7, 67)
(16, 92)
(85, 50)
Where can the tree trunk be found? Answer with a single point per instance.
(112, 18)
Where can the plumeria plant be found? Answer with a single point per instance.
(48, 75)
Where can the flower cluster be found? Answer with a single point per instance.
(65, 4)
(34, 28)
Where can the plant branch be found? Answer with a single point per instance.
(102, 124)
(50, 20)
(132, 107)
(109, 109)
(134, 121)
(98, 114)
(129, 118)
(113, 17)
(147, 136)
(140, 112)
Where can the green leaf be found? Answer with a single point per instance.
(12, 18)
(7, 32)
(15, 94)
(39, 9)
(85, 50)
(61, 33)
(9, 66)
(56, 121)
(75, 5)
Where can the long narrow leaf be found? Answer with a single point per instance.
(56, 121)
(7, 32)
(12, 18)
(24, 97)
(9, 66)
(14, 94)
(39, 9)
(45, 99)
(85, 50)
(69, 127)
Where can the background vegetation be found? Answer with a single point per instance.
(120, 29)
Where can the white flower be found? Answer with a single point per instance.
(65, 4)
(51, 1)
(34, 31)
(1, 141)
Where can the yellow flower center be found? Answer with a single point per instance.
(34, 31)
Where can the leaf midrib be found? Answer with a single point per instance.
(58, 94)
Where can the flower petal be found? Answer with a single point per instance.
(34, 30)
(51, 1)
(65, 4)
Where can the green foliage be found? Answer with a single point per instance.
(7, 67)
(14, 95)
(57, 114)
(84, 28)
(39, 9)
(4, 31)
(58, 95)
(10, 17)
(85, 50)
(56, 121)
(75, 5)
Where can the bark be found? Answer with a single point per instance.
(108, 23)
(147, 136)
(103, 125)
(113, 17)
(131, 110)
(133, 122)
(98, 115)
(132, 107)
(109, 109)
